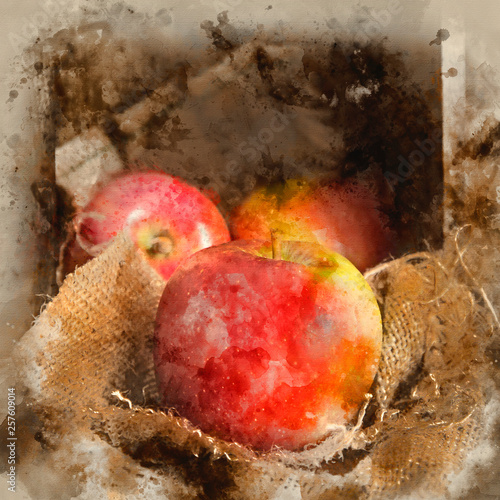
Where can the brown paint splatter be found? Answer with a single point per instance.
(441, 36)
(452, 72)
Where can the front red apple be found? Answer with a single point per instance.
(267, 351)
(167, 218)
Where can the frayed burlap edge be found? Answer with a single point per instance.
(87, 362)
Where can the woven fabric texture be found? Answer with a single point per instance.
(87, 363)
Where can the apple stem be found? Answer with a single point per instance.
(161, 245)
(275, 244)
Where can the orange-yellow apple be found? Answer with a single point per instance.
(267, 346)
(343, 216)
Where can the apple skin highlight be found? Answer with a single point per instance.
(167, 219)
(343, 216)
(267, 352)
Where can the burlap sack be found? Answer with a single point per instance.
(87, 363)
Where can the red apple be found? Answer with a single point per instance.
(167, 219)
(267, 350)
(343, 216)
